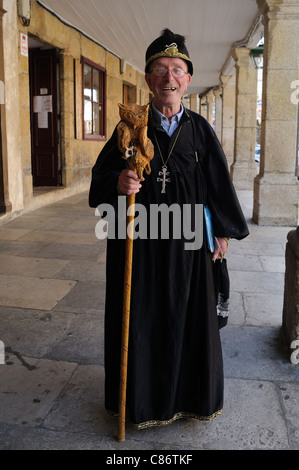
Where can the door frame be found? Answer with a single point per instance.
(56, 179)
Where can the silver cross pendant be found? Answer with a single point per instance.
(165, 178)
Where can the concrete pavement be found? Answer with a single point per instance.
(52, 290)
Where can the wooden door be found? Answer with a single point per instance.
(44, 122)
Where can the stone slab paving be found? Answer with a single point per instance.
(52, 297)
(33, 292)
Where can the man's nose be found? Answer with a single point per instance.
(168, 74)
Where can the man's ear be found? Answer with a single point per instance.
(188, 81)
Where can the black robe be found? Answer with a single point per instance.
(175, 366)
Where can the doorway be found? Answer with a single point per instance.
(129, 94)
(44, 113)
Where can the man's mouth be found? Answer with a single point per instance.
(169, 88)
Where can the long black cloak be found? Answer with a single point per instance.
(175, 364)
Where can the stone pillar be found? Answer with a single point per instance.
(276, 190)
(204, 107)
(194, 102)
(244, 169)
(228, 116)
(5, 204)
(25, 127)
(68, 170)
(290, 321)
(11, 51)
(218, 113)
(210, 101)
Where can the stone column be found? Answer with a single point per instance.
(244, 169)
(194, 102)
(291, 296)
(5, 204)
(68, 169)
(276, 190)
(11, 115)
(228, 116)
(218, 112)
(210, 101)
(204, 107)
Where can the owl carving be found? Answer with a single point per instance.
(132, 138)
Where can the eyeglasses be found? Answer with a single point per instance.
(176, 72)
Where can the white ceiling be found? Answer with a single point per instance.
(127, 27)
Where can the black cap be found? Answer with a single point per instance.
(168, 45)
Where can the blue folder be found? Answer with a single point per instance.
(209, 228)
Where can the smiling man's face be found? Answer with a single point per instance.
(167, 89)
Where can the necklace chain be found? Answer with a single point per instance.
(164, 174)
(169, 155)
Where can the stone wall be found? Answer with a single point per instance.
(77, 155)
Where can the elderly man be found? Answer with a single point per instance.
(175, 367)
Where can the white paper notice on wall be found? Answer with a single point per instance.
(42, 120)
(42, 104)
(47, 104)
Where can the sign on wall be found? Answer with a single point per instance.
(24, 45)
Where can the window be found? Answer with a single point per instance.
(93, 101)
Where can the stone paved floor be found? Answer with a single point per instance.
(52, 289)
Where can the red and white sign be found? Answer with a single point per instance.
(24, 44)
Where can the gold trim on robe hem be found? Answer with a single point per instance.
(181, 415)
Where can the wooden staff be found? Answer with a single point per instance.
(126, 318)
(134, 144)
